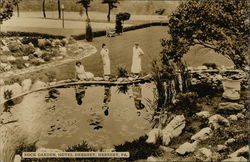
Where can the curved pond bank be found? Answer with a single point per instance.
(101, 116)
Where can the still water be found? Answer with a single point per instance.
(101, 116)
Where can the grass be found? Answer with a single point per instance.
(121, 54)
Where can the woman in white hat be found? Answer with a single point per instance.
(136, 62)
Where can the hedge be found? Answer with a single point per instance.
(126, 29)
(30, 34)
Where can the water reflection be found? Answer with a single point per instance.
(123, 89)
(59, 119)
(106, 100)
(137, 95)
(80, 93)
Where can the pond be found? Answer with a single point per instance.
(101, 116)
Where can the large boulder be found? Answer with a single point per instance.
(203, 114)
(217, 120)
(230, 106)
(173, 129)
(153, 135)
(235, 159)
(231, 89)
(202, 135)
(240, 152)
(187, 148)
(204, 154)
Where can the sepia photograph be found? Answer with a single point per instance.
(124, 80)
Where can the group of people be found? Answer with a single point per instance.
(81, 74)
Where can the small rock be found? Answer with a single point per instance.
(240, 152)
(230, 106)
(26, 84)
(216, 121)
(221, 148)
(240, 116)
(232, 117)
(27, 64)
(151, 158)
(203, 114)
(5, 49)
(120, 79)
(38, 84)
(98, 78)
(3, 65)
(7, 68)
(38, 52)
(202, 135)
(153, 135)
(166, 149)
(63, 51)
(26, 58)
(204, 154)
(173, 129)
(230, 141)
(11, 58)
(1, 82)
(187, 148)
(235, 159)
(17, 158)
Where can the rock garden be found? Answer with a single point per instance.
(18, 53)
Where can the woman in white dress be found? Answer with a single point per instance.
(105, 59)
(81, 74)
(136, 62)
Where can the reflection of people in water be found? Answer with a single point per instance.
(137, 94)
(106, 100)
(80, 93)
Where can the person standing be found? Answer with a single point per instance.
(136, 61)
(106, 61)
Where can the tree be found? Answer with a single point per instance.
(44, 13)
(86, 5)
(214, 24)
(17, 7)
(6, 9)
(59, 8)
(111, 5)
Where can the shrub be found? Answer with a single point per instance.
(33, 40)
(46, 56)
(14, 46)
(19, 63)
(28, 49)
(139, 149)
(30, 34)
(35, 62)
(89, 33)
(122, 72)
(186, 102)
(123, 16)
(103, 32)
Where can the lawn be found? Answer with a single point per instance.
(121, 54)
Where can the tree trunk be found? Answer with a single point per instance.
(44, 14)
(59, 8)
(109, 11)
(17, 9)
